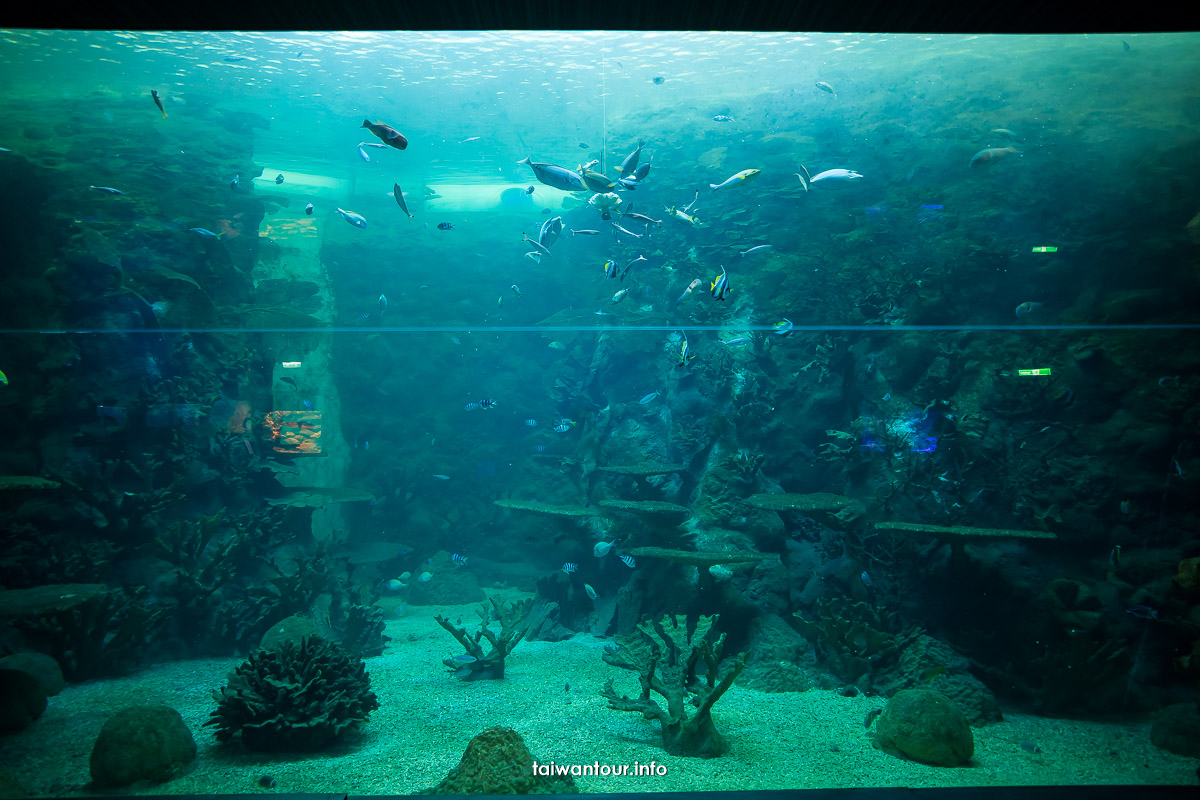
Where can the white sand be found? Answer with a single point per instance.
(426, 717)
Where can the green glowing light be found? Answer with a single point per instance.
(1045, 249)
(1042, 371)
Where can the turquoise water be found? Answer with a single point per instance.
(938, 433)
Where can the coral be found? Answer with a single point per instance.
(294, 698)
(361, 630)
(141, 743)
(698, 558)
(652, 509)
(861, 639)
(514, 623)
(644, 469)
(23, 483)
(498, 762)
(547, 508)
(666, 656)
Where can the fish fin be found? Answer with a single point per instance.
(712, 186)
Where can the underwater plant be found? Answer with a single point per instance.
(665, 653)
(476, 665)
(295, 697)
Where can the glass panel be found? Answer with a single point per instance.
(366, 393)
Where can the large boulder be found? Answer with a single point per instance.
(22, 700)
(925, 726)
(142, 743)
(498, 762)
(41, 666)
(1176, 729)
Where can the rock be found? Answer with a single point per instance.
(925, 726)
(41, 666)
(141, 743)
(22, 700)
(1188, 576)
(930, 663)
(10, 786)
(779, 659)
(498, 762)
(1074, 605)
(1176, 729)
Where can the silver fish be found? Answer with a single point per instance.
(648, 398)
(584, 233)
(356, 220)
(108, 189)
(556, 176)
(627, 233)
(541, 247)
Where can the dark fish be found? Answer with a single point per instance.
(237, 180)
(658, 80)
(865, 578)
(445, 226)
(1114, 557)
(387, 134)
(1125, 45)
(279, 178)
(547, 211)
(933, 672)
(234, 59)
(399, 195)
(871, 715)
(584, 145)
(267, 782)
(308, 209)
(158, 102)
(530, 190)
(1142, 612)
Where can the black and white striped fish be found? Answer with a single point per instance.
(570, 567)
(457, 559)
(628, 559)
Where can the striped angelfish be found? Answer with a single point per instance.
(628, 559)
(460, 560)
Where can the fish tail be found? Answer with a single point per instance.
(525, 160)
(366, 123)
(164, 115)
(713, 186)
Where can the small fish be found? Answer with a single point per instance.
(1028, 307)
(267, 782)
(865, 578)
(587, 587)
(1114, 557)
(500, 301)
(648, 398)
(532, 423)
(464, 658)
(382, 304)
(601, 549)
(619, 296)
(758, 249)
(1126, 507)
(685, 354)
(1125, 45)
(279, 178)
(386, 133)
(570, 567)
(720, 286)
(825, 87)
(738, 340)
(991, 154)
(158, 102)
(364, 315)
(236, 182)
(744, 176)
(471, 139)
(627, 233)
(399, 195)
(530, 190)
(363, 154)
(374, 144)
(445, 226)
(308, 405)
(457, 559)
(472, 407)
(1031, 747)
(583, 233)
(441, 477)
(722, 118)
(871, 715)
(1178, 468)
(805, 178)
(628, 560)
(784, 328)
(835, 175)
(356, 220)
(561, 428)
(1142, 612)
(516, 290)
(541, 248)
(584, 145)
(557, 346)
(1165, 379)
(394, 585)
(538, 448)
(658, 79)
(424, 577)
(234, 59)
(3, 379)
(933, 672)
(205, 232)
(108, 189)
(566, 421)
(629, 266)
(487, 403)
(308, 209)
(610, 269)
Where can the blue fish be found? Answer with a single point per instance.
(457, 559)
(865, 578)
(364, 315)
(648, 398)
(308, 405)
(538, 448)
(570, 567)
(532, 423)
(205, 232)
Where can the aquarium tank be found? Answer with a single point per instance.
(597, 412)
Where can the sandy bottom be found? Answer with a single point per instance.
(550, 696)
